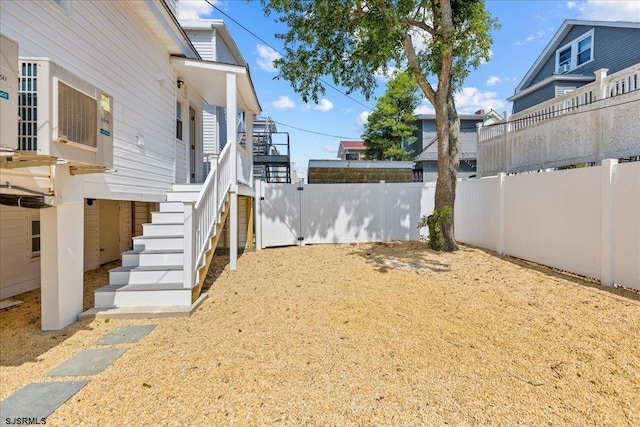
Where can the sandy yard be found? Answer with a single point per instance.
(366, 334)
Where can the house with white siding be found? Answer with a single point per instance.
(128, 147)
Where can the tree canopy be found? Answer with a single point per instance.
(438, 41)
(391, 126)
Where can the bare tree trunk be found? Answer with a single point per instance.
(441, 224)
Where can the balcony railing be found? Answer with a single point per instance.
(596, 121)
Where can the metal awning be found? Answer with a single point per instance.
(209, 80)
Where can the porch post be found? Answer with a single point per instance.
(62, 252)
(232, 138)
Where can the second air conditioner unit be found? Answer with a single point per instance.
(63, 116)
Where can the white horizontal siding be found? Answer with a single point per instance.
(223, 54)
(18, 271)
(203, 44)
(209, 130)
(107, 44)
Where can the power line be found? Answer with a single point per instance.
(280, 53)
(317, 133)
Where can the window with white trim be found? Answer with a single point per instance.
(575, 54)
(34, 236)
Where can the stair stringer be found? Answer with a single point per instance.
(208, 257)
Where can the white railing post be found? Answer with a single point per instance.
(501, 213)
(607, 256)
(189, 244)
(601, 75)
(258, 216)
(506, 163)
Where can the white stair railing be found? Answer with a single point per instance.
(201, 216)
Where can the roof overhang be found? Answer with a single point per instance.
(556, 77)
(163, 23)
(209, 80)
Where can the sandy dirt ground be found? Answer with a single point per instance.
(363, 334)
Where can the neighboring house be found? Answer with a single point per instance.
(162, 108)
(577, 104)
(351, 150)
(424, 150)
(574, 54)
(358, 171)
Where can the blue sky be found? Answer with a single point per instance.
(316, 129)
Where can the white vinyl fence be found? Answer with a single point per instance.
(290, 214)
(585, 221)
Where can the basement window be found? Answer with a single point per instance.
(34, 236)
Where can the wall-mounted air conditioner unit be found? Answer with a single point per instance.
(8, 92)
(563, 68)
(63, 116)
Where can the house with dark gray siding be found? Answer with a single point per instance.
(572, 57)
(424, 151)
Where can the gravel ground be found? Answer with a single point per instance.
(361, 334)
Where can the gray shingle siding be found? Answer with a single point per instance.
(613, 48)
(544, 93)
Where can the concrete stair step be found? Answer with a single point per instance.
(146, 274)
(138, 258)
(143, 295)
(193, 188)
(158, 242)
(151, 229)
(182, 196)
(169, 206)
(167, 217)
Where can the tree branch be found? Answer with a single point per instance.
(414, 65)
(418, 24)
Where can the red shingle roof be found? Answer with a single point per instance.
(352, 144)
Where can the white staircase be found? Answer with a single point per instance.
(152, 274)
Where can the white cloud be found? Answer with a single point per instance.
(283, 103)
(266, 56)
(531, 38)
(386, 73)
(493, 80)
(324, 105)
(362, 119)
(330, 149)
(483, 61)
(470, 99)
(194, 9)
(607, 10)
(424, 108)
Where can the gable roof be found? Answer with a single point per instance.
(558, 39)
(353, 144)
(222, 32)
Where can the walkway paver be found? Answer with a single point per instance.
(125, 335)
(37, 401)
(88, 362)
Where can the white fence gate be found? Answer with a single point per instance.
(290, 214)
(585, 221)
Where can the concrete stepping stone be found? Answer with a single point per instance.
(125, 335)
(88, 362)
(37, 401)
